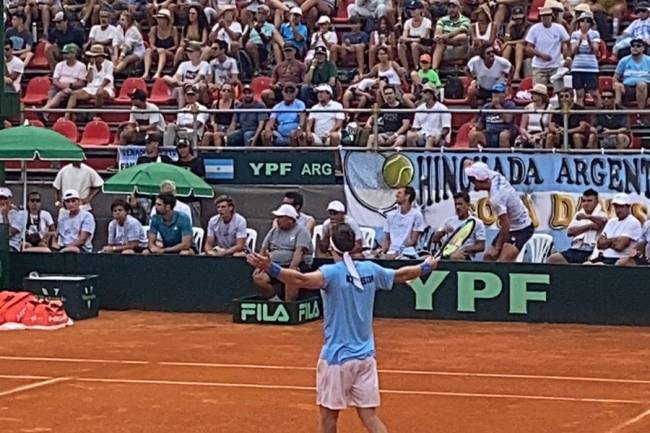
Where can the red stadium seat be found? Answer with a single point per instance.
(258, 84)
(462, 136)
(128, 86)
(37, 90)
(96, 133)
(160, 93)
(67, 128)
(39, 61)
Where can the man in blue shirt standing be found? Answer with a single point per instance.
(347, 370)
(174, 228)
(287, 121)
(632, 76)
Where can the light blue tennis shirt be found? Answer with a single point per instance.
(348, 311)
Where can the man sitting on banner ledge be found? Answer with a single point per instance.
(226, 230)
(403, 226)
(583, 231)
(617, 239)
(174, 228)
(288, 244)
(476, 242)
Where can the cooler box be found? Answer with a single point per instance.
(78, 292)
(252, 309)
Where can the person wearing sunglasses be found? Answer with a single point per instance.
(632, 77)
(287, 121)
(39, 225)
(612, 127)
(581, 134)
(637, 29)
(584, 68)
(486, 70)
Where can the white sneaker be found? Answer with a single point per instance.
(561, 72)
(275, 298)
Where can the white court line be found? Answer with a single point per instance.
(289, 367)
(629, 422)
(33, 386)
(23, 377)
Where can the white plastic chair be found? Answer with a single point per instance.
(369, 236)
(251, 239)
(197, 238)
(318, 234)
(539, 246)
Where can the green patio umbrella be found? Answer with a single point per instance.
(146, 179)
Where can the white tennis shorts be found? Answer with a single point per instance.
(353, 383)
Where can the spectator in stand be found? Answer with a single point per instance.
(163, 43)
(514, 41)
(580, 131)
(257, 38)
(287, 120)
(383, 37)
(226, 230)
(187, 159)
(486, 71)
(46, 8)
(376, 9)
(39, 225)
(174, 228)
(228, 30)
(21, 39)
(81, 178)
(616, 242)
(194, 34)
(296, 200)
(14, 68)
(430, 129)
(495, 129)
(638, 29)
(323, 124)
(547, 42)
(364, 92)
(392, 125)
(152, 142)
(416, 37)
(186, 122)
(323, 37)
(192, 72)
(169, 187)
(505, 7)
(632, 78)
(75, 226)
(338, 215)
(294, 32)
(352, 52)
(132, 48)
(534, 126)
(451, 35)
(14, 218)
(583, 231)
(125, 233)
(246, 127)
(99, 79)
(143, 119)
(390, 70)
(424, 75)
(475, 243)
(223, 69)
(403, 226)
(612, 128)
(483, 31)
(220, 121)
(288, 71)
(63, 34)
(320, 72)
(69, 75)
(79, 10)
(105, 34)
(313, 9)
(584, 68)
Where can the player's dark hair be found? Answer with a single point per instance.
(296, 197)
(590, 193)
(411, 193)
(462, 195)
(168, 199)
(343, 237)
(119, 203)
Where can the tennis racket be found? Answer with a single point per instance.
(456, 240)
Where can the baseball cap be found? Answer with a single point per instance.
(336, 206)
(153, 136)
(182, 142)
(295, 11)
(190, 90)
(517, 12)
(264, 8)
(643, 6)
(194, 46)
(320, 50)
(60, 16)
(622, 199)
(323, 19)
(5, 192)
(70, 194)
(431, 88)
(454, 2)
(540, 89)
(286, 210)
(545, 11)
(499, 88)
(478, 170)
(425, 58)
(70, 49)
(290, 45)
(247, 89)
(324, 88)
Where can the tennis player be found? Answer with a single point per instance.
(347, 370)
(515, 225)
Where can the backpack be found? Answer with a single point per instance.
(246, 66)
(23, 310)
(454, 88)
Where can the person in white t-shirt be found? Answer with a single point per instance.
(430, 129)
(324, 125)
(81, 178)
(226, 230)
(191, 72)
(617, 240)
(39, 225)
(105, 34)
(223, 69)
(515, 225)
(336, 211)
(226, 29)
(69, 75)
(415, 30)
(476, 242)
(14, 68)
(142, 120)
(99, 78)
(185, 119)
(548, 43)
(323, 37)
(403, 226)
(132, 47)
(485, 71)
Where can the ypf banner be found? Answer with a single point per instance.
(549, 183)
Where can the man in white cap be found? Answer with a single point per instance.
(515, 225)
(294, 32)
(288, 244)
(325, 119)
(63, 34)
(548, 43)
(14, 218)
(227, 29)
(336, 211)
(616, 242)
(346, 374)
(81, 178)
(75, 228)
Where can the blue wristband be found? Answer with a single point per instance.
(425, 269)
(274, 270)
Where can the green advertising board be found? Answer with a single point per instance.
(271, 167)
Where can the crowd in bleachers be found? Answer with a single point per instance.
(327, 55)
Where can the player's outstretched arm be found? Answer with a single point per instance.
(407, 273)
(290, 277)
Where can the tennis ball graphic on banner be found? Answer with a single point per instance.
(397, 171)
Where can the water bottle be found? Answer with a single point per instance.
(34, 32)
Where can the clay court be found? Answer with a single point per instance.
(155, 372)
